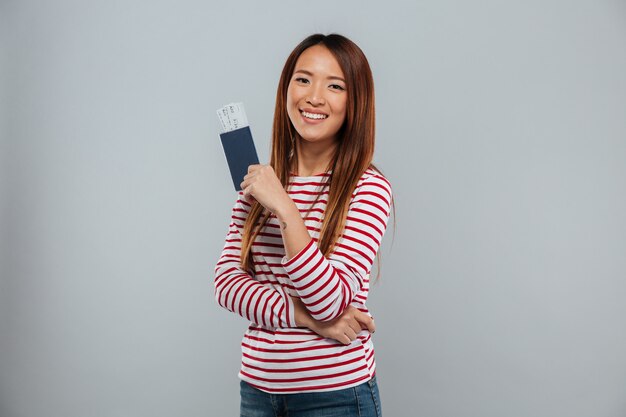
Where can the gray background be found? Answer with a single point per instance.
(501, 126)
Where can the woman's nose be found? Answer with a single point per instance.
(316, 96)
(315, 101)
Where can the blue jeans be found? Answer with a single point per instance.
(362, 401)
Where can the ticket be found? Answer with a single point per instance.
(232, 116)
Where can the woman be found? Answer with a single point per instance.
(302, 277)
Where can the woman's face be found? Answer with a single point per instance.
(316, 96)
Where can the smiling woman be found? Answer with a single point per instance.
(304, 233)
(316, 97)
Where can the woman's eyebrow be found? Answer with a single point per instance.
(309, 73)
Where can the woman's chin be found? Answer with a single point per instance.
(309, 138)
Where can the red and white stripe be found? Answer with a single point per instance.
(278, 357)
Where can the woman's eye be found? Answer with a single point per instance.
(337, 87)
(302, 80)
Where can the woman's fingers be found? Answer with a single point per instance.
(350, 334)
(344, 339)
(365, 321)
(247, 179)
(355, 325)
(246, 193)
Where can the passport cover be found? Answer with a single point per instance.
(240, 153)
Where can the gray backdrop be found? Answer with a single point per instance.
(501, 126)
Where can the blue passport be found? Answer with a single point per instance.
(240, 153)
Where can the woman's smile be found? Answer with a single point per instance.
(313, 116)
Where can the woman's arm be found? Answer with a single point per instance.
(327, 286)
(237, 291)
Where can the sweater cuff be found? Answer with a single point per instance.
(306, 262)
(291, 263)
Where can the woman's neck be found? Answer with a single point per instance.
(313, 157)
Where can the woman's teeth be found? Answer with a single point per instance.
(314, 115)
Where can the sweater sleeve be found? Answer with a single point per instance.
(328, 285)
(237, 291)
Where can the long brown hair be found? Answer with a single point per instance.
(355, 148)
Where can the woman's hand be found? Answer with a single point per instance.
(262, 184)
(343, 329)
(346, 327)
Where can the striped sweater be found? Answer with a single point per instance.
(277, 356)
